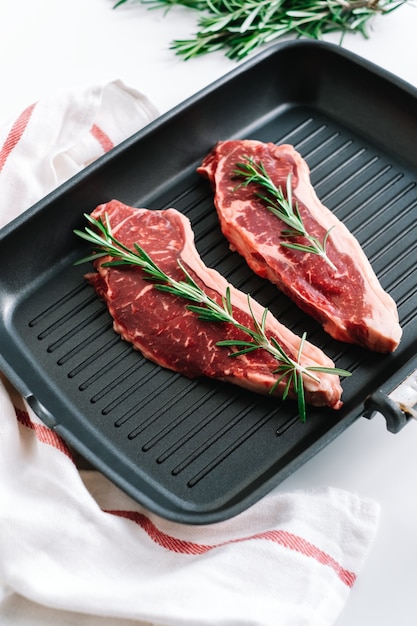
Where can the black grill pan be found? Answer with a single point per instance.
(198, 451)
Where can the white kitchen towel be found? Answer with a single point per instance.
(54, 138)
(71, 540)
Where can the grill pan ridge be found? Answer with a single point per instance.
(199, 451)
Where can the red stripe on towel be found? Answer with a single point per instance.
(280, 537)
(182, 546)
(103, 139)
(43, 433)
(15, 134)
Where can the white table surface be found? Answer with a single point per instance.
(46, 45)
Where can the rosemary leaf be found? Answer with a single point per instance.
(282, 207)
(241, 26)
(207, 309)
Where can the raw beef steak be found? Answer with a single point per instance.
(166, 332)
(350, 303)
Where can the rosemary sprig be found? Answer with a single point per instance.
(207, 309)
(242, 26)
(282, 207)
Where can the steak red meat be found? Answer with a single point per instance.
(350, 302)
(166, 332)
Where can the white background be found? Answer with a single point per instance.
(46, 45)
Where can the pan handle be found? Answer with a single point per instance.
(397, 407)
(395, 416)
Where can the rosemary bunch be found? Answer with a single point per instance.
(241, 26)
(282, 207)
(207, 309)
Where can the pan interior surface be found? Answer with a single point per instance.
(199, 451)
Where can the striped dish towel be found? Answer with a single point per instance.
(53, 139)
(72, 541)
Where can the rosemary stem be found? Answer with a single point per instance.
(284, 208)
(208, 309)
(241, 26)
